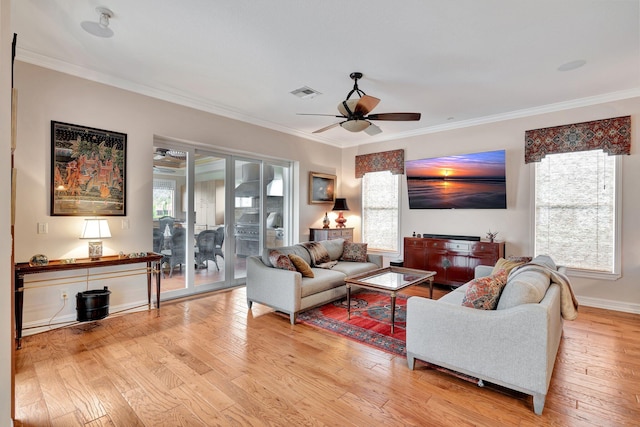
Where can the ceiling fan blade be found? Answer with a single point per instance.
(313, 114)
(372, 130)
(365, 104)
(327, 127)
(399, 117)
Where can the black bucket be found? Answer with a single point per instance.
(92, 305)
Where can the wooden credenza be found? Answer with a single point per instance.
(316, 234)
(453, 260)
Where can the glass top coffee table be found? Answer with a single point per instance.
(389, 280)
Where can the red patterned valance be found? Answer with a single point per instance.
(613, 136)
(375, 162)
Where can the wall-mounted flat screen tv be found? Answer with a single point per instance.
(468, 181)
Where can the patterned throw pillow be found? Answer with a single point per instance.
(484, 292)
(317, 251)
(280, 260)
(301, 265)
(356, 252)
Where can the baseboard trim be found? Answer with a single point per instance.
(610, 305)
(39, 326)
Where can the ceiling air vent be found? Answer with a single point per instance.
(305, 93)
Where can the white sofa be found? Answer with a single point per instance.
(289, 292)
(514, 346)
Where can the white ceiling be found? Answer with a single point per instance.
(458, 62)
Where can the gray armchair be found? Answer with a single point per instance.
(209, 243)
(166, 221)
(158, 240)
(158, 246)
(177, 252)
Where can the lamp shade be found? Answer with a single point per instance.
(95, 229)
(355, 125)
(340, 205)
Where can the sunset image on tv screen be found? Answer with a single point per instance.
(468, 181)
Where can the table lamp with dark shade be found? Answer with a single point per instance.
(340, 206)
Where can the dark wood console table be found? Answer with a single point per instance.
(23, 268)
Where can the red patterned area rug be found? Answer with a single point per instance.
(370, 320)
(370, 323)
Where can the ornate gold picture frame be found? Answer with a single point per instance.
(322, 188)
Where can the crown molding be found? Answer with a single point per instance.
(203, 104)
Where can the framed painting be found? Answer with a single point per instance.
(88, 171)
(322, 188)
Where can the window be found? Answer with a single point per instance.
(164, 193)
(380, 210)
(576, 208)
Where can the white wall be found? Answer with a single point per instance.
(46, 95)
(6, 333)
(514, 223)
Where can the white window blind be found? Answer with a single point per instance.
(575, 210)
(164, 195)
(380, 210)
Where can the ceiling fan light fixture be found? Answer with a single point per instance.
(351, 105)
(355, 125)
(356, 112)
(100, 28)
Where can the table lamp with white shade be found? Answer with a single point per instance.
(95, 229)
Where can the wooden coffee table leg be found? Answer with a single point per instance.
(348, 302)
(393, 311)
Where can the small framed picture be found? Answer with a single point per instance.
(88, 171)
(322, 188)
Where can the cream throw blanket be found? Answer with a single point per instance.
(568, 301)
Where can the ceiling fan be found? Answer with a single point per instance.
(162, 153)
(356, 112)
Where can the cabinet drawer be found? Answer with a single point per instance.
(316, 234)
(458, 246)
(414, 242)
(435, 244)
(485, 248)
(345, 234)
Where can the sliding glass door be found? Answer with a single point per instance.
(206, 228)
(261, 209)
(169, 220)
(209, 234)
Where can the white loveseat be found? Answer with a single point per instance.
(290, 292)
(514, 346)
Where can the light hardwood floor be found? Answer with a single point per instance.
(209, 361)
